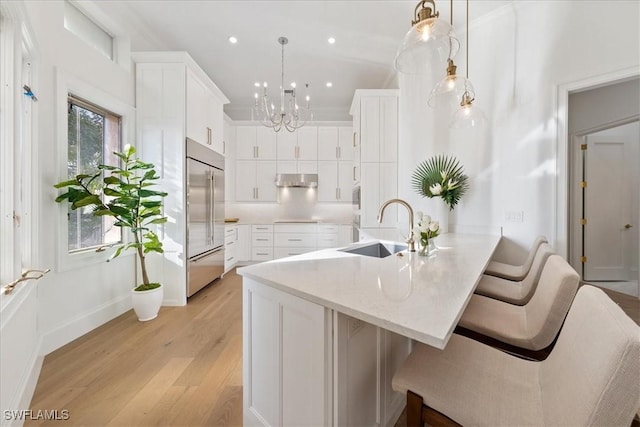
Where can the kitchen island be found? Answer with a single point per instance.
(324, 332)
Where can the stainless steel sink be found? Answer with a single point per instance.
(376, 250)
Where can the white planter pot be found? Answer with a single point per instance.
(146, 304)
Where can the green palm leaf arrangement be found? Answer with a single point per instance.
(441, 176)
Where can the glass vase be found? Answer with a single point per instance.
(427, 247)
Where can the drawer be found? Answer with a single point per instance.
(261, 254)
(262, 239)
(327, 228)
(262, 228)
(295, 228)
(297, 240)
(285, 252)
(231, 231)
(328, 240)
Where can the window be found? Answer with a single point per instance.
(93, 135)
(84, 27)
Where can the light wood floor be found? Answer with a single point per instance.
(182, 369)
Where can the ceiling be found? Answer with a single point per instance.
(367, 35)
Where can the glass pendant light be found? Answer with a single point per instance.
(430, 39)
(450, 89)
(468, 115)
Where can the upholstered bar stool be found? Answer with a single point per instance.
(515, 272)
(535, 325)
(516, 292)
(591, 378)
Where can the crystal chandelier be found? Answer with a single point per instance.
(290, 115)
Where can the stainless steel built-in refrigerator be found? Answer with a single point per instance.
(205, 216)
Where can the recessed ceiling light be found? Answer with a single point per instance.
(329, 84)
(331, 40)
(233, 40)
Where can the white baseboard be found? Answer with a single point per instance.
(83, 323)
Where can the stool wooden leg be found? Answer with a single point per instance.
(414, 409)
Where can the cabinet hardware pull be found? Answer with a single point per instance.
(262, 253)
(230, 243)
(354, 173)
(354, 140)
(257, 151)
(294, 240)
(337, 152)
(337, 196)
(229, 259)
(209, 136)
(262, 240)
(224, 147)
(257, 193)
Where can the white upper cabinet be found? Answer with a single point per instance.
(255, 143)
(370, 129)
(335, 143)
(197, 128)
(204, 115)
(265, 143)
(255, 181)
(328, 143)
(388, 128)
(307, 143)
(379, 128)
(245, 142)
(299, 145)
(287, 143)
(346, 143)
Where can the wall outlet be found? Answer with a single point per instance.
(514, 216)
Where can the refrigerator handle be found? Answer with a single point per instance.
(211, 206)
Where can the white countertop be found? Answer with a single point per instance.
(418, 297)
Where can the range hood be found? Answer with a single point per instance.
(304, 180)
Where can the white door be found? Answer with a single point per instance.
(610, 199)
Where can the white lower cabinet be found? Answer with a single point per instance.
(230, 246)
(286, 363)
(261, 242)
(366, 358)
(308, 365)
(243, 248)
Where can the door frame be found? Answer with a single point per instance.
(561, 222)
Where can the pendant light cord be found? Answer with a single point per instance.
(467, 39)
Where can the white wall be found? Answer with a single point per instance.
(594, 108)
(66, 304)
(517, 65)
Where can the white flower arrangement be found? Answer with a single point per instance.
(426, 228)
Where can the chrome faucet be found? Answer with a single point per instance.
(410, 240)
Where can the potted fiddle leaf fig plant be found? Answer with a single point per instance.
(123, 192)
